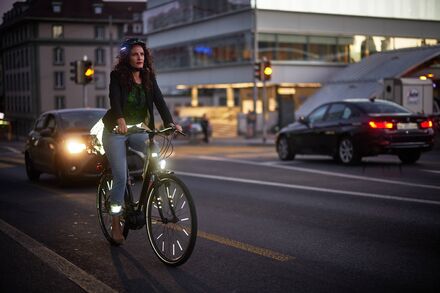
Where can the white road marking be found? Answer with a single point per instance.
(314, 171)
(431, 171)
(80, 277)
(11, 149)
(311, 188)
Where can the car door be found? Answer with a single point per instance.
(47, 143)
(34, 140)
(330, 128)
(309, 137)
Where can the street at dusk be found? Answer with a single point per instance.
(219, 146)
(264, 225)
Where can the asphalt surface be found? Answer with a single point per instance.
(309, 225)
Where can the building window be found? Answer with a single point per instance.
(137, 28)
(172, 13)
(60, 102)
(59, 80)
(97, 8)
(57, 31)
(100, 56)
(58, 56)
(210, 52)
(100, 102)
(137, 16)
(99, 78)
(99, 32)
(56, 7)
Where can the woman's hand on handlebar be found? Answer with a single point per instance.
(178, 127)
(122, 126)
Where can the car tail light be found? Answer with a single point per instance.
(381, 124)
(426, 124)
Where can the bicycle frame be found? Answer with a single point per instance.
(134, 212)
(165, 205)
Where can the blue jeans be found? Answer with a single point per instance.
(115, 150)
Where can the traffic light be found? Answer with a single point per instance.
(88, 71)
(82, 71)
(267, 70)
(257, 70)
(75, 70)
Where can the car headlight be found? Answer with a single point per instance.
(75, 147)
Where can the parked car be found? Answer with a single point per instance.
(57, 144)
(351, 129)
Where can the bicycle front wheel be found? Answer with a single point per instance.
(171, 220)
(103, 206)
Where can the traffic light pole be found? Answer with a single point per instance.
(254, 131)
(264, 102)
(264, 106)
(84, 96)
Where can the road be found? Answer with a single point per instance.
(309, 225)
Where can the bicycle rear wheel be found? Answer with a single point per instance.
(171, 220)
(103, 206)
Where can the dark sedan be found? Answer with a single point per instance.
(351, 129)
(57, 144)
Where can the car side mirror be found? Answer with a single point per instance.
(303, 120)
(46, 132)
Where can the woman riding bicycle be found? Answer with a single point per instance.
(133, 91)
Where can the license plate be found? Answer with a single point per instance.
(407, 126)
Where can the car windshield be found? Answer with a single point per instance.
(379, 107)
(80, 120)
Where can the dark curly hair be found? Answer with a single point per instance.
(125, 70)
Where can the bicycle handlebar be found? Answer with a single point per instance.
(166, 131)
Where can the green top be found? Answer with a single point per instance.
(135, 110)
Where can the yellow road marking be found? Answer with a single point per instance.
(246, 247)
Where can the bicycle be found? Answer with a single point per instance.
(165, 204)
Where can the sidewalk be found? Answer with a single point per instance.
(231, 141)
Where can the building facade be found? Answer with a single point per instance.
(40, 38)
(207, 49)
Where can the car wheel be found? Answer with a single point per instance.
(31, 172)
(347, 152)
(284, 151)
(410, 156)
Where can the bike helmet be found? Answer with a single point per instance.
(129, 43)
